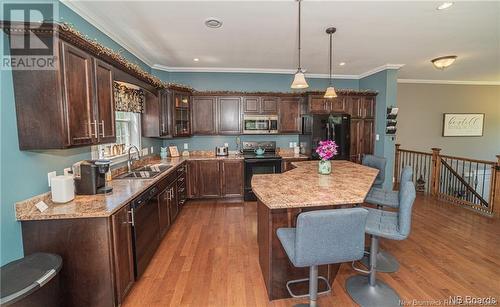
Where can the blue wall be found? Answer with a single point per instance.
(385, 82)
(199, 142)
(24, 173)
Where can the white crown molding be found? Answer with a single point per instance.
(100, 27)
(424, 81)
(379, 69)
(246, 70)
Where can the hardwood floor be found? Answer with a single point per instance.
(210, 258)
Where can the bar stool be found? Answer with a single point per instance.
(323, 237)
(386, 262)
(367, 290)
(378, 163)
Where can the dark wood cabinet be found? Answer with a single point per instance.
(356, 139)
(251, 105)
(152, 118)
(269, 105)
(368, 107)
(318, 105)
(105, 101)
(191, 175)
(163, 211)
(204, 115)
(232, 178)
(78, 92)
(289, 115)
(229, 115)
(181, 114)
(368, 136)
(337, 104)
(122, 253)
(208, 181)
(173, 205)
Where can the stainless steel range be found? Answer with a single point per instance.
(260, 158)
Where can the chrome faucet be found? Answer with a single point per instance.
(129, 161)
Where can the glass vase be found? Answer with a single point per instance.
(325, 167)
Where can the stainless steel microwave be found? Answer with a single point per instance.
(260, 124)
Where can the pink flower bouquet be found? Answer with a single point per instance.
(326, 149)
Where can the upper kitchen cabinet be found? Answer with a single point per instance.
(319, 105)
(229, 115)
(156, 115)
(260, 105)
(204, 115)
(181, 115)
(361, 107)
(289, 115)
(105, 101)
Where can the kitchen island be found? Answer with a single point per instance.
(281, 197)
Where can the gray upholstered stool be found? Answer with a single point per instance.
(323, 237)
(386, 262)
(378, 163)
(367, 290)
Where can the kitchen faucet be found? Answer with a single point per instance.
(129, 161)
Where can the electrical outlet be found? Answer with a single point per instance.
(186, 146)
(290, 145)
(226, 144)
(145, 151)
(50, 175)
(152, 149)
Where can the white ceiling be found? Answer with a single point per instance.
(262, 35)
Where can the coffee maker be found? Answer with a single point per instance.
(90, 177)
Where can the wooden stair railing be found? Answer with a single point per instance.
(472, 183)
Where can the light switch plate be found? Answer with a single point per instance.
(377, 137)
(50, 175)
(290, 145)
(152, 149)
(186, 146)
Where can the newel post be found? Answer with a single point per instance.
(436, 171)
(495, 204)
(396, 167)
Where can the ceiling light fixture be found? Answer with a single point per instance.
(196, 59)
(299, 80)
(444, 61)
(342, 63)
(330, 91)
(213, 23)
(444, 6)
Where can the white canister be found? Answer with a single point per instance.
(62, 188)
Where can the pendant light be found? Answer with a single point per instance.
(330, 91)
(299, 81)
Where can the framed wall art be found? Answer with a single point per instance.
(463, 124)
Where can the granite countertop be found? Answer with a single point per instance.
(101, 205)
(304, 187)
(292, 156)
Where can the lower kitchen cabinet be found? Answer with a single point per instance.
(361, 138)
(215, 178)
(232, 178)
(122, 252)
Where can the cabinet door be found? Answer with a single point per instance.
(122, 253)
(337, 104)
(173, 204)
(368, 136)
(163, 209)
(105, 102)
(251, 105)
(165, 114)
(368, 107)
(204, 109)
(354, 106)
(181, 115)
(317, 105)
(78, 96)
(191, 176)
(289, 117)
(208, 178)
(232, 177)
(229, 116)
(356, 139)
(269, 105)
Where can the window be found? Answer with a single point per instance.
(128, 133)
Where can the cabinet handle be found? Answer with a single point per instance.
(102, 124)
(95, 128)
(90, 128)
(132, 219)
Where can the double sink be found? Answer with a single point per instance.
(146, 172)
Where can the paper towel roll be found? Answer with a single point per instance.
(62, 188)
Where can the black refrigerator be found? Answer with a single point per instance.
(322, 127)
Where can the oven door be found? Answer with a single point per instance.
(255, 167)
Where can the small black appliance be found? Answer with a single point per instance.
(91, 179)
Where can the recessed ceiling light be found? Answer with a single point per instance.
(444, 61)
(213, 23)
(444, 6)
(342, 63)
(196, 59)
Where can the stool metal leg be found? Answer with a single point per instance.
(386, 262)
(313, 288)
(367, 290)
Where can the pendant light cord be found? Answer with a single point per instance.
(300, 69)
(330, 83)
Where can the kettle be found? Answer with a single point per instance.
(259, 151)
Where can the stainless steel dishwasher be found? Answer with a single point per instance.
(145, 229)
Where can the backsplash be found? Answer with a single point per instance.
(210, 142)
